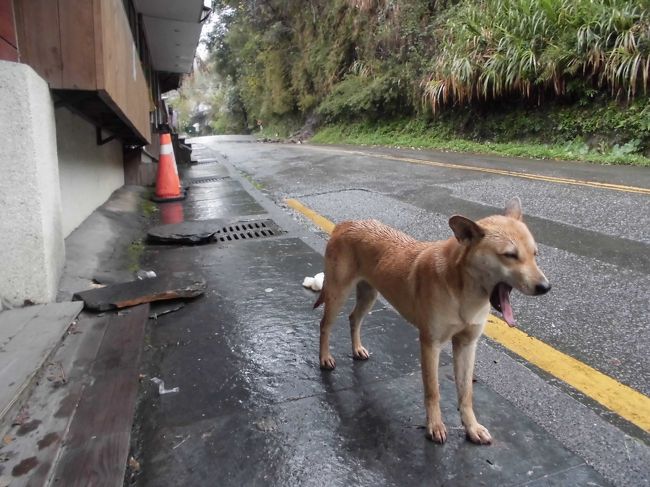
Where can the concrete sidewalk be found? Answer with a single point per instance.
(255, 409)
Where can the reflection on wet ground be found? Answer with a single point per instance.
(255, 409)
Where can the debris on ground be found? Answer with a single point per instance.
(177, 285)
(155, 314)
(73, 329)
(134, 465)
(21, 418)
(55, 373)
(143, 274)
(182, 441)
(186, 232)
(314, 283)
(266, 425)
(161, 386)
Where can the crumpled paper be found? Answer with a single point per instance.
(314, 283)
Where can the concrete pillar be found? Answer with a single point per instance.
(31, 240)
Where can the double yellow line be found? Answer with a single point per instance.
(617, 397)
(501, 172)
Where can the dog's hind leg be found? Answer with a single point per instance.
(366, 297)
(334, 299)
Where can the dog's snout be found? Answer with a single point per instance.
(542, 288)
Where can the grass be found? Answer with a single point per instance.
(148, 207)
(401, 134)
(256, 185)
(134, 253)
(279, 127)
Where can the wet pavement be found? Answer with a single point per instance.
(255, 409)
(594, 243)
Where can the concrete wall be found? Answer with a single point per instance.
(31, 238)
(89, 172)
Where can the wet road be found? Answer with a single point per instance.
(246, 358)
(595, 243)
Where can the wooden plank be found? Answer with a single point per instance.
(39, 41)
(97, 443)
(29, 337)
(7, 29)
(76, 18)
(173, 286)
(52, 408)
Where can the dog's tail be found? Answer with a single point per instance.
(321, 298)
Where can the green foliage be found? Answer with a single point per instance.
(359, 96)
(495, 48)
(364, 133)
(571, 73)
(134, 254)
(211, 101)
(289, 58)
(606, 133)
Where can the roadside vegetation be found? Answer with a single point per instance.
(562, 79)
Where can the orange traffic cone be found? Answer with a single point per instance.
(167, 182)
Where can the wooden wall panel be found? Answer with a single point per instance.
(39, 41)
(123, 77)
(77, 44)
(86, 45)
(7, 30)
(7, 51)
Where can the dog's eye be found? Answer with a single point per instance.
(511, 255)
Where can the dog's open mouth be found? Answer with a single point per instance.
(500, 300)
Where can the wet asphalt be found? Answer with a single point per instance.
(253, 406)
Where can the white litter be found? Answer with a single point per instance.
(161, 386)
(142, 274)
(314, 283)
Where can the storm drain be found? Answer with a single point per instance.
(247, 231)
(206, 179)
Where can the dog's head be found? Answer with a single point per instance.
(501, 255)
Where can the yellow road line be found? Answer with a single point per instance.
(502, 172)
(619, 398)
(320, 221)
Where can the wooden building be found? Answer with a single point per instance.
(107, 60)
(81, 84)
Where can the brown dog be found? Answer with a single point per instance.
(444, 288)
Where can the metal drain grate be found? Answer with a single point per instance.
(247, 231)
(206, 179)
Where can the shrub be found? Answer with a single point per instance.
(495, 48)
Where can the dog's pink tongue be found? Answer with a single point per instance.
(506, 309)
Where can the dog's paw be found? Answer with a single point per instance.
(327, 363)
(437, 432)
(478, 434)
(360, 353)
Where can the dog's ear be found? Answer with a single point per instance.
(465, 230)
(513, 208)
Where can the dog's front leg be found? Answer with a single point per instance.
(464, 347)
(430, 354)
